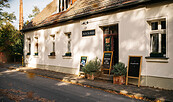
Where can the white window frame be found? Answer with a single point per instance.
(29, 46)
(53, 42)
(36, 45)
(64, 7)
(68, 40)
(68, 51)
(159, 31)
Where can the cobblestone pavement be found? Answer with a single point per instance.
(147, 93)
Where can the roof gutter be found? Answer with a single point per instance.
(85, 14)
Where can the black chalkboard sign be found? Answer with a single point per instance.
(134, 68)
(83, 61)
(107, 59)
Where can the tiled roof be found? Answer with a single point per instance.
(82, 7)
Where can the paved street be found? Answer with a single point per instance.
(20, 86)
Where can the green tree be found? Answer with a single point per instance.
(5, 16)
(11, 40)
(35, 12)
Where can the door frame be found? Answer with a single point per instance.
(114, 44)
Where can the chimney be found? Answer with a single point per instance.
(21, 15)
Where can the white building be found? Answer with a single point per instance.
(133, 27)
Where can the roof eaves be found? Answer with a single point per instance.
(86, 14)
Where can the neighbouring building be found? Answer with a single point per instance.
(3, 57)
(66, 30)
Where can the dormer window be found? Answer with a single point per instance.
(64, 4)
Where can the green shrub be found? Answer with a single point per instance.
(119, 69)
(92, 66)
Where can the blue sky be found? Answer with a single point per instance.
(28, 6)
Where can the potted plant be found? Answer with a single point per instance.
(28, 53)
(156, 54)
(36, 53)
(68, 54)
(119, 71)
(91, 68)
(52, 54)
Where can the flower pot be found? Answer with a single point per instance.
(120, 80)
(36, 54)
(28, 53)
(90, 77)
(156, 55)
(52, 54)
(115, 79)
(68, 54)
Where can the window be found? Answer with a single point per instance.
(158, 38)
(110, 30)
(68, 3)
(68, 53)
(29, 46)
(69, 43)
(36, 46)
(64, 4)
(60, 6)
(53, 45)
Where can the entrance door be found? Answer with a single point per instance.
(110, 35)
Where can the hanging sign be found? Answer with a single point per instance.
(88, 33)
(134, 68)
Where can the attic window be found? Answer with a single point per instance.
(64, 4)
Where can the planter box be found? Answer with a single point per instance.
(156, 55)
(28, 54)
(36, 54)
(52, 54)
(120, 80)
(67, 54)
(90, 77)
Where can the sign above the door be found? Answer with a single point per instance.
(88, 33)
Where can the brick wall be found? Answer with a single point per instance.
(3, 58)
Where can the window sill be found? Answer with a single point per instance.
(51, 56)
(28, 55)
(36, 56)
(157, 59)
(66, 57)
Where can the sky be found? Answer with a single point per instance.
(28, 6)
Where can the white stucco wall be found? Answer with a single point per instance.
(133, 40)
(162, 69)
